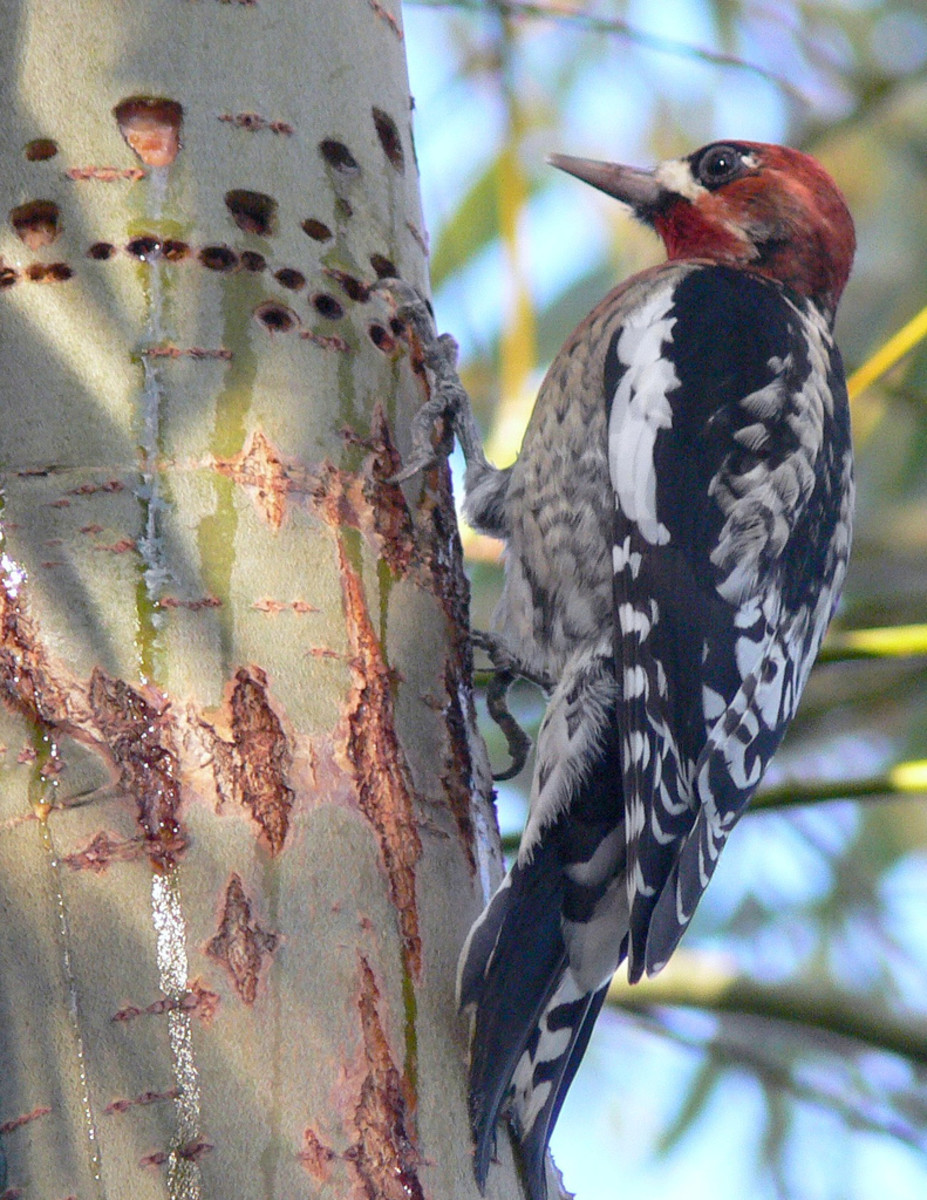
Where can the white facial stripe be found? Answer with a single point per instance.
(676, 175)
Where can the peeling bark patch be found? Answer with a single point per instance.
(384, 1157)
(316, 1157)
(377, 763)
(438, 562)
(29, 680)
(458, 765)
(107, 848)
(442, 558)
(241, 945)
(25, 1119)
(121, 1106)
(198, 1001)
(252, 768)
(365, 501)
(392, 520)
(140, 737)
(259, 466)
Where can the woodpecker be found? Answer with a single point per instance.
(677, 528)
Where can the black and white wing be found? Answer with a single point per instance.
(729, 455)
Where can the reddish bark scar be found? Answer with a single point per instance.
(368, 742)
(169, 350)
(17, 1122)
(458, 764)
(106, 848)
(121, 1106)
(273, 607)
(388, 17)
(253, 767)
(105, 174)
(384, 1155)
(327, 341)
(367, 502)
(259, 466)
(253, 123)
(139, 732)
(192, 1152)
(316, 1157)
(241, 945)
(198, 1000)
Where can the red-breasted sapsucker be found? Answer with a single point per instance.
(677, 528)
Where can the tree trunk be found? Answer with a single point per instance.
(238, 848)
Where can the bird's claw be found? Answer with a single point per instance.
(439, 354)
(506, 669)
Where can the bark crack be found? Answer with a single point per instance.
(376, 760)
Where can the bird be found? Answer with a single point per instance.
(677, 527)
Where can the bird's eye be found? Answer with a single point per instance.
(719, 164)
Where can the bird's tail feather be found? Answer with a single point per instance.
(532, 1020)
(565, 1026)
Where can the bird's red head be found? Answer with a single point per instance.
(767, 209)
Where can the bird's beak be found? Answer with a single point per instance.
(639, 189)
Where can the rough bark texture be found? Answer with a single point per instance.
(237, 849)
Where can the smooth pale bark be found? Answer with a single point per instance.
(238, 853)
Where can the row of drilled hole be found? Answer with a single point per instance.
(221, 258)
(151, 111)
(38, 222)
(253, 212)
(278, 318)
(275, 317)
